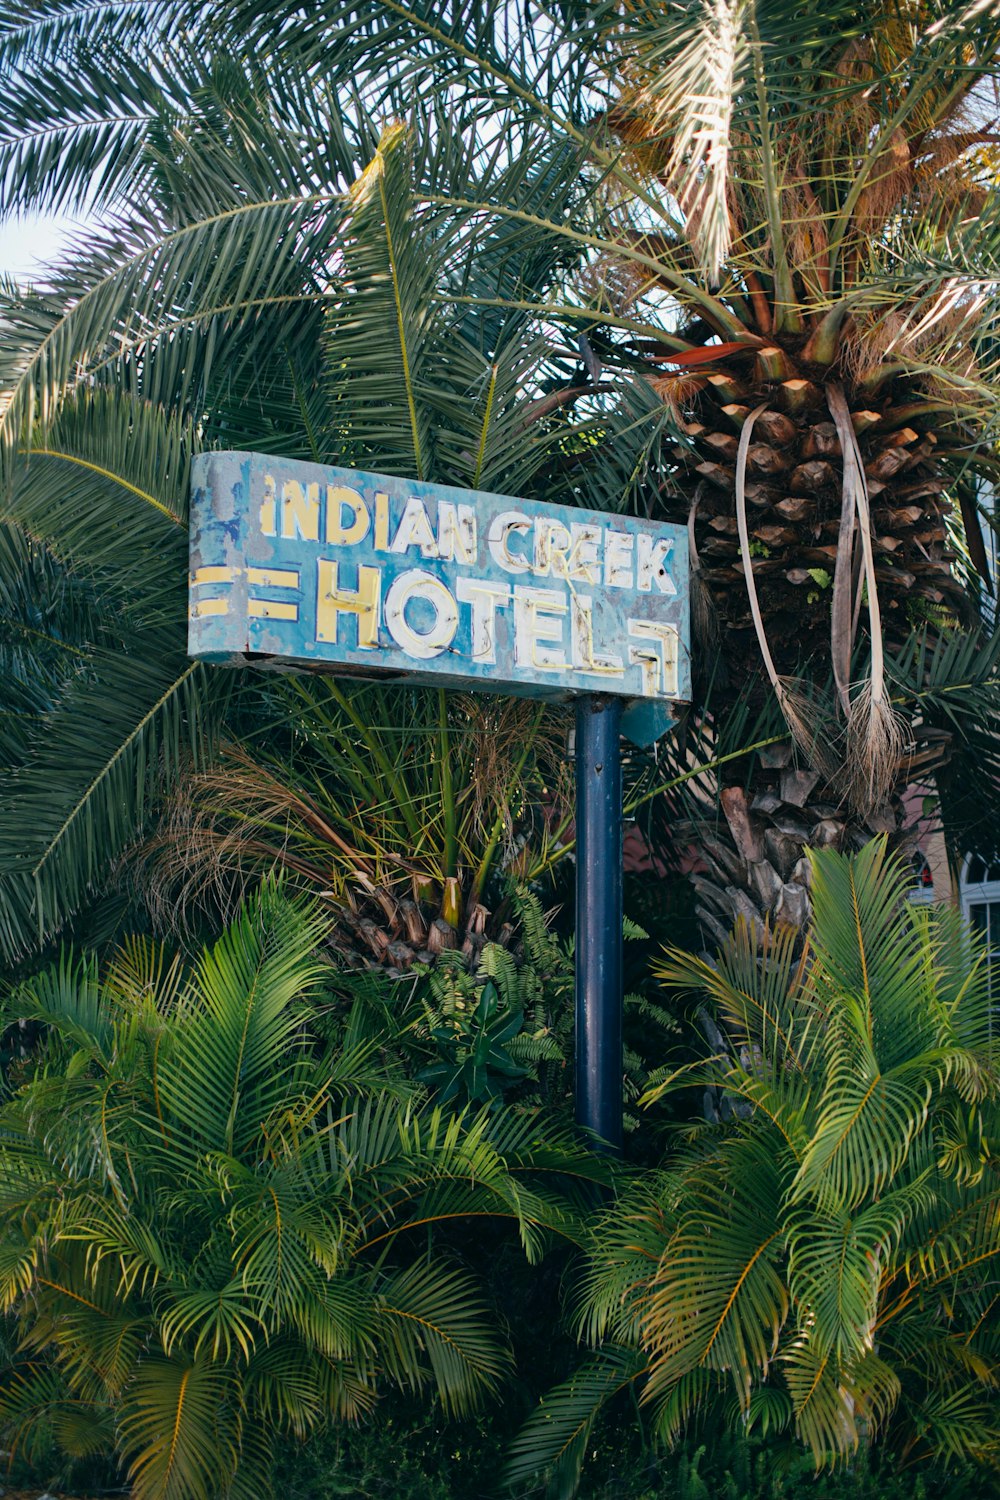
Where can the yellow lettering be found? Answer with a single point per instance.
(658, 661)
(332, 601)
(381, 522)
(485, 598)
(205, 607)
(300, 511)
(418, 584)
(651, 564)
(456, 538)
(618, 559)
(535, 636)
(552, 547)
(582, 635)
(415, 530)
(339, 497)
(274, 578)
(271, 609)
(498, 538)
(215, 575)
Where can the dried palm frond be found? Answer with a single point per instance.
(224, 825)
(497, 729)
(692, 118)
(876, 741)
(889, 179)
(808, 724)
(875, 735)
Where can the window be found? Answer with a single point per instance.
(922, 889)
(980, 895)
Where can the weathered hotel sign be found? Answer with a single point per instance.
(309, 565)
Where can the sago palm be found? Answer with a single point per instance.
(217, 1224)
(407, 810)
(824, 1259)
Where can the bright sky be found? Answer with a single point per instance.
(26, 244)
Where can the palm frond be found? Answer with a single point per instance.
(170, 1432)
(554, 1439)
(433, 1317)
(232, 1060)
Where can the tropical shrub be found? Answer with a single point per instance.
(497, 1024)
(401, 807)
(822, 1256)
(207, 1208)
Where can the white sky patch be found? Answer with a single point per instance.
(28, 245)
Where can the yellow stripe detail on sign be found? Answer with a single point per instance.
(209, 607)
(273, 578)
(214, 575)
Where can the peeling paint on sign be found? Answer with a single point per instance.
(302, 565)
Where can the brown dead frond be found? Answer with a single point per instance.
(811, 725)
(678, 390)
(876, 740)
(223, 828)
(865, 341)
(498, 731)
(806, 235)
(613, 283)
(849, 116)
(935, 329)
(889, 180)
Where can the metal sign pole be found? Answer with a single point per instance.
(599, 1062)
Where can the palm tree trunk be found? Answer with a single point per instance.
(752, 863)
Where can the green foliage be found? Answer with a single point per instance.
(209, 314)
(496, 1025)
(408, 1455)
(824, 1255)
(503, 1027)
(210, 1210)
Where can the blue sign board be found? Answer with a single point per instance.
(303, 565)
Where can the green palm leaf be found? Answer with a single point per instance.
(554, 1439)
(171, 1434)
(434, 1322)
(718, 1298)
(232, 1061)
(824, 1410)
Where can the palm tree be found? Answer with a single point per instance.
(771, 313)
(279, 284)
(792, 248)
(211, 1211)
(825, 1254)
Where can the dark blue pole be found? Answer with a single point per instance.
(599, 919)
